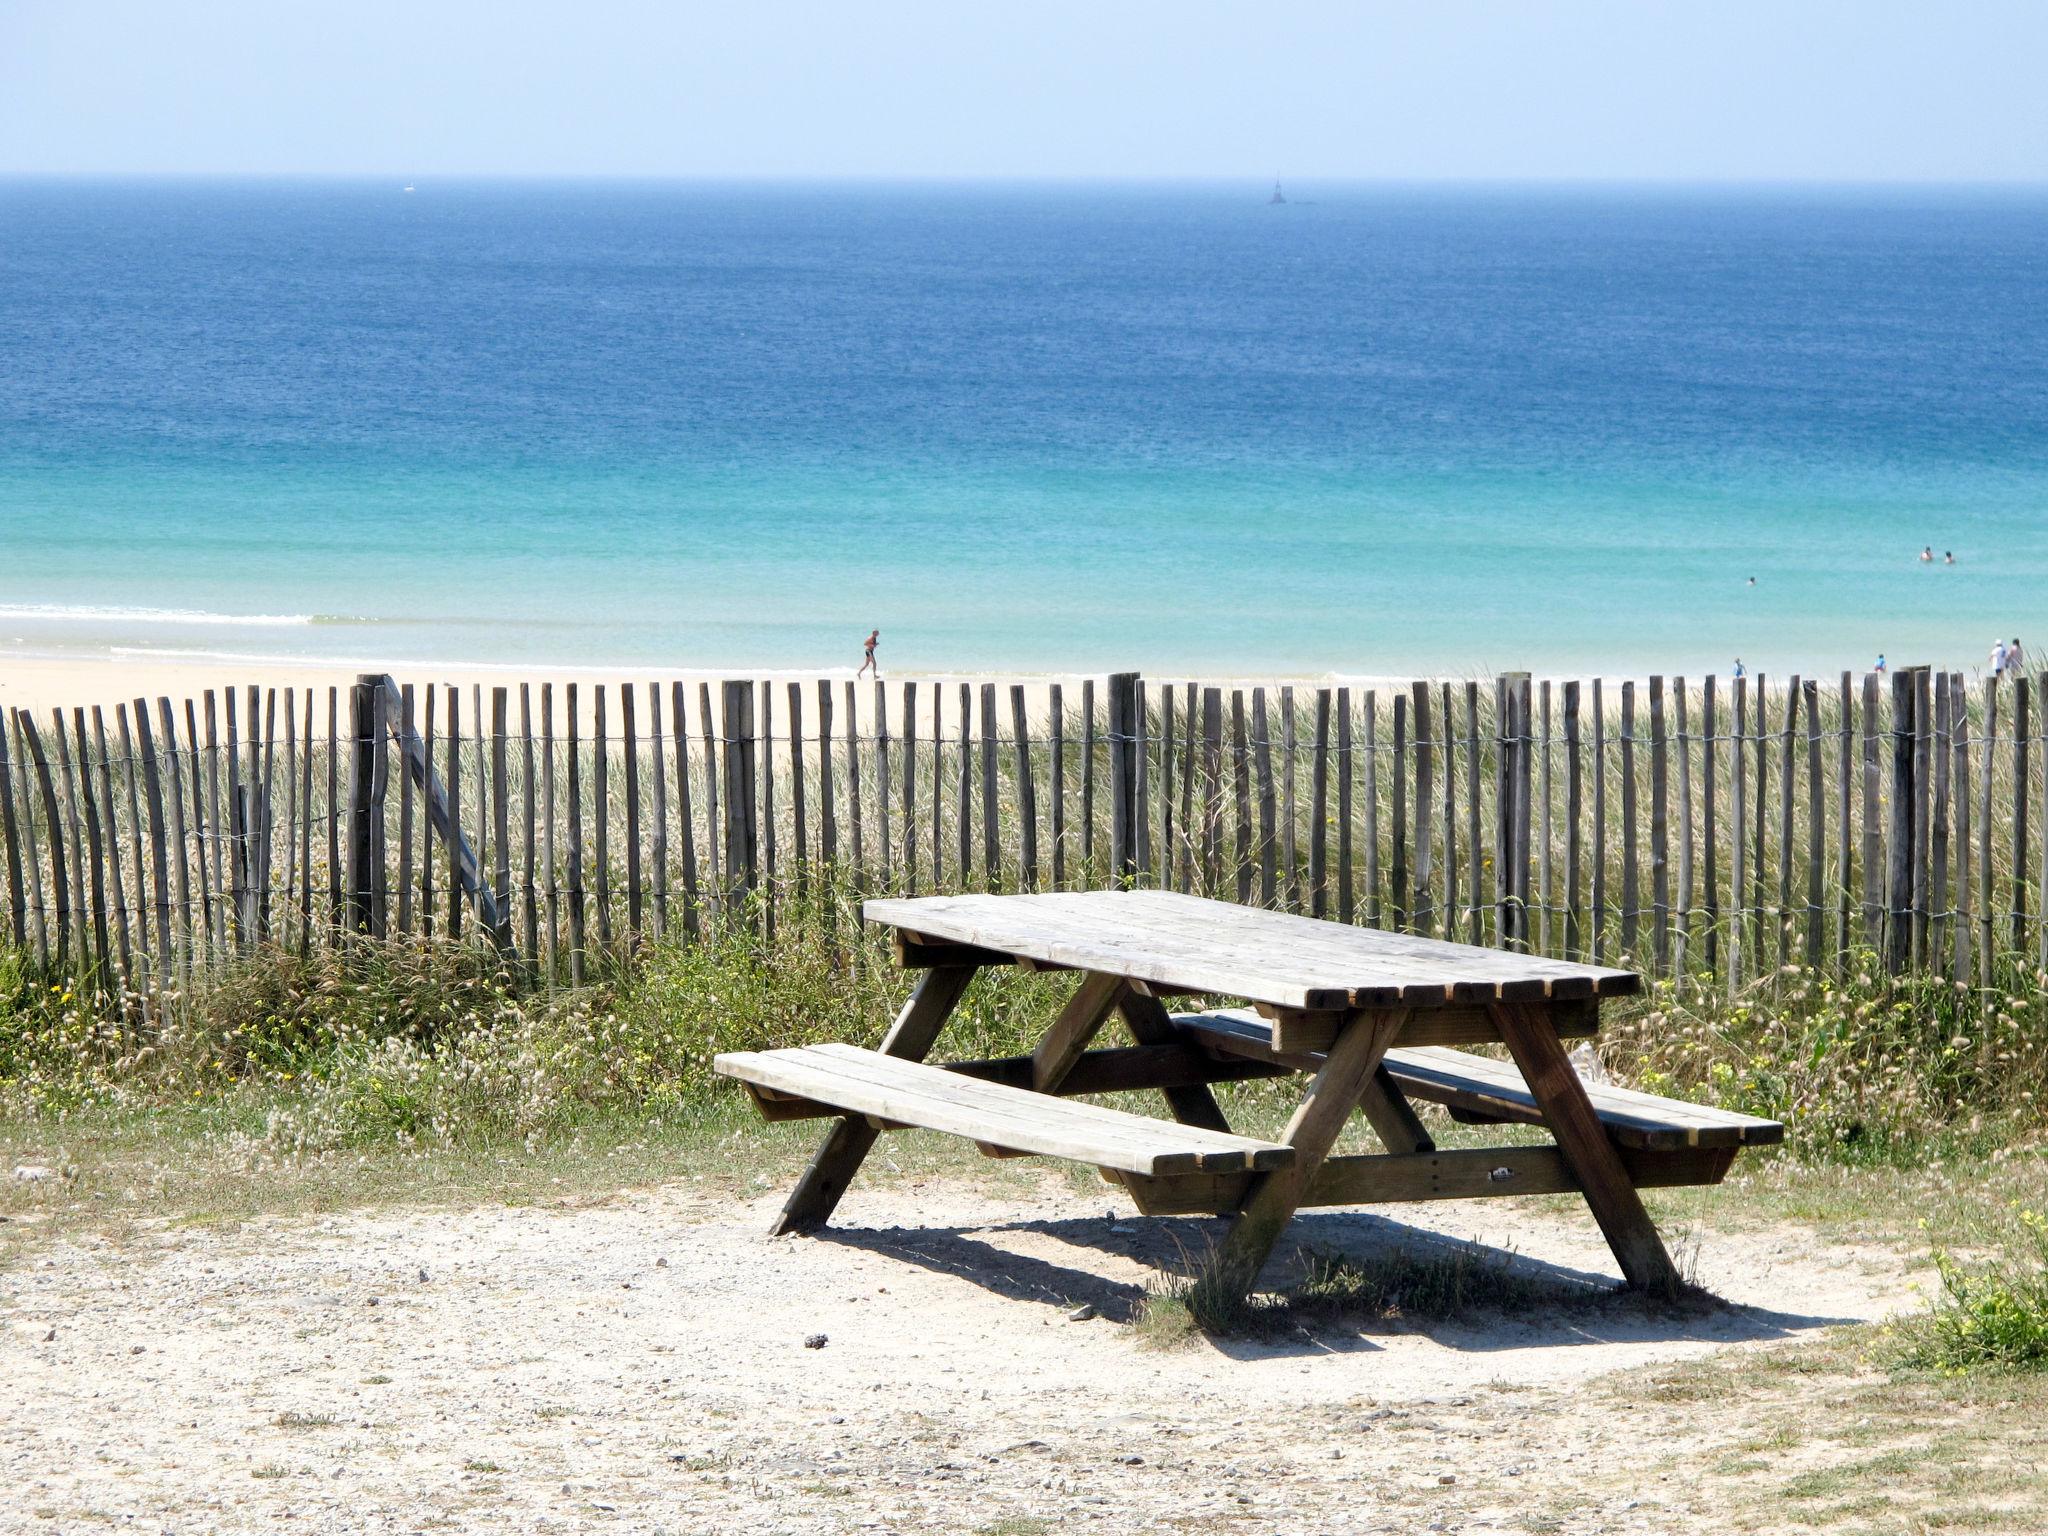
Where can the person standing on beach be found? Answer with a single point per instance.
(1738, 668)
(2014, 662)
(1998, 658)
(1880, 662)
(868, 657)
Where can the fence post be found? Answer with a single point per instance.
(1899, 849)
(366, 783)
(742, 868)
(1123, 778)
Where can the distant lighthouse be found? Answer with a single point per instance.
(1277, 198)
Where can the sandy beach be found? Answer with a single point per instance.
(40, 684)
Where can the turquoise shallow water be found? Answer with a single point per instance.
(1053, 427)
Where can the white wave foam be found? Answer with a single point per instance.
(67, 613)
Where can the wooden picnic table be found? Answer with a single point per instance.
(1370, 1018)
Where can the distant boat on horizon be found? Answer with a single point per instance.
(1277, 197)
(411, 188)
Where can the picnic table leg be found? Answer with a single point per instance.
(1092, 1003)
(1150, 1024)
(1531, 1038)
(811, 1203)
(1332, 1094)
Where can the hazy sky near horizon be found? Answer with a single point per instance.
(1302, 89)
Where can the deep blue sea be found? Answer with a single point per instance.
(1022, 427)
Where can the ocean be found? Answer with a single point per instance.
(1022, 427)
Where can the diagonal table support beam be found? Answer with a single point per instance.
(1346, 1073)
(816, 1196)
(1150, 1024)
(1532, 1040)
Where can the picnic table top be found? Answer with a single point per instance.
(1267, 957)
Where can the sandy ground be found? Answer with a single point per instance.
(640, 1365)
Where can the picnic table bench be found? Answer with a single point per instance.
(1369, 1018)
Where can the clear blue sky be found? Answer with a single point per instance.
(1306, 89)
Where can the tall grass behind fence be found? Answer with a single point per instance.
(1710, 829)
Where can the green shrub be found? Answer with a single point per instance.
(1992, 1312)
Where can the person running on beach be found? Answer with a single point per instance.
(868, 656)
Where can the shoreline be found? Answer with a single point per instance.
(42, 683)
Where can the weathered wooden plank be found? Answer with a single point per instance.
(739, 772)
(63, 887)
(1468, 1173)
(1845, 827)
(800, 847)
(1788, 757)
(855, 821)
(1168, 746)
(1290, 818)
(1574, 818)
(452, 787)
(964, 819)
(764, 800)
(1291, 962)
(1188, 777)
(938, 786)
(1923, 749)
(1027, 792)
(1873, 824)
(1599, 922)
(548, 821)
(882, 782)
(1425, 803)
(1475, 927)
(1138, 775)
(1959, 715)
(159, 851)
(1087, 776)
(1899, 846)
(529, 795)
(1347, 901)
(714, 820)
(2021, 793)
(1125, 770)
(1986, 933)
(1319, 812)
(1372, 809)
(1682, 898)
(600, 891)
(629, 751)
(180, 864)
(1268, 850)
(578, 919)
(32, 862)
(103, 830)
(908, 1092)
(658, 792)
(686, 821)
(828, 789)
(1710, 852)
(1399, 909)
(1545, 893)
(501, 817)
(1660, 831)
(910, 791)
(1631, 833)
(17, 901)
(1056, 784)
(1937, 888)
(1212, 790)
(1738, 884)
(88, 884)
(1240, 768)
(1816, 826)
